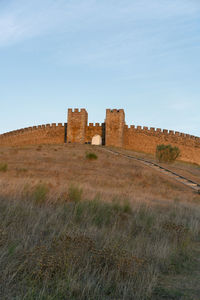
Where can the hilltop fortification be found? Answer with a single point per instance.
(113, 132)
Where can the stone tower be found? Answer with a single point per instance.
(115, 122)
(76, 126)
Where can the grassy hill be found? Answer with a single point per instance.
(76, 227)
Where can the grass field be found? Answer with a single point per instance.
(76, 226)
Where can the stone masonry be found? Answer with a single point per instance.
(76, 127)
(114, 132)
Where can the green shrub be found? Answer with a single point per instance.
(3, 167)
(75, 193)
(40, 193)
(167, 153)
(91, 156)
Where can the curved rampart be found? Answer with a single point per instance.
(41, 134)
(142, 139)
(146, 139)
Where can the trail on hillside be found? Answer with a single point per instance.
(188, 182)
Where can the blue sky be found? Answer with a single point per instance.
(140, 55)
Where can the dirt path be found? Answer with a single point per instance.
(190, 183)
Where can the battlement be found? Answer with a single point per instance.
(77, 110)
(29, 129)
(41, 134)
(114, 111)
(114, 132)
(138, 128)
(95, 125)
(150, 130)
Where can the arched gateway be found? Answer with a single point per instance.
(97, 140)
(113, 132)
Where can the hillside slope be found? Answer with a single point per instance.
(110, 176)
(76, 227)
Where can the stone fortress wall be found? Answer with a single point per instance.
(36, 135)
(114, 132)
(144, 139)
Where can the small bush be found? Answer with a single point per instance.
(91, 156)
(40, 193)
(3, 167)
(75, 193)
(167, 153)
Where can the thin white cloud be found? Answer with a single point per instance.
(27, 19)
(24, 19)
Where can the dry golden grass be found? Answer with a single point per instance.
(188, 170)
(109, 176)
(109, 228)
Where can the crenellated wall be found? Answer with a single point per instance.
(92, 130)
(146, 139)
(114, 132)
(42, 134)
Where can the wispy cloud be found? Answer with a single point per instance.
(24, 19)
(144, 51)
(103, 34)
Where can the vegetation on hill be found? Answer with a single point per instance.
(3, 167)
(167, 153)
(91, 156)
(109, 229)
(93, 250)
